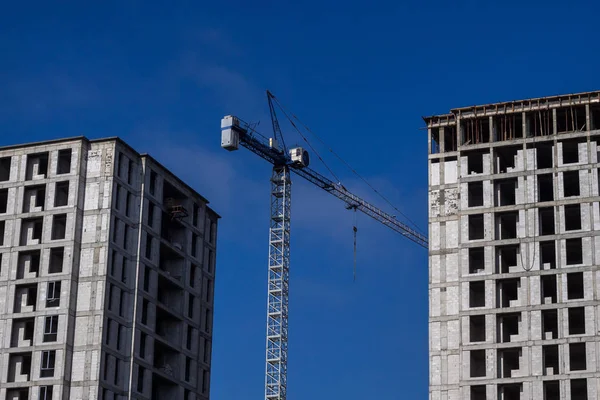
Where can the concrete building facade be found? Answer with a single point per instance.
(514, 226)
(107, 268)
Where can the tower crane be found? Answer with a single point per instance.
(235, 132)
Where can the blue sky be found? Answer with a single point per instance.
(361, 75)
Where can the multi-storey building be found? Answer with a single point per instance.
(514, 224)
(107, 267)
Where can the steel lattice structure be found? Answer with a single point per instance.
(235, 132)
(279, 266)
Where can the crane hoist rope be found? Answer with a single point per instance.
(236, 132)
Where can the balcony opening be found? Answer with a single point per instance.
(61, 195)
(551, 390)
(507, 327)
(544, 155)
(168, 327)
(575, 285)
(572, 217)
(476, 260)
(25, 298)
(57, 258)
(509, 126)
(171, 263)
(175, 201)
(570, 119)
(477, 328)
(547, 255)
(173, 232)
(166, 359)
(28, 264)
(475, 194)
(37, 166)
(19, 367)
(539, 123)
(169, 295)
(506, 158)
(53, 294)
(574, 249)
(571, 183)
(476, 230)
(475, 131)
(577, 356)
(579, 389)
(22, 332)
(3, 201)
(477, 365)
(549, 324)
(59, 226)
(576, 320)
(550, 359)
(507, 292)
(31, 231)
(505, 191)
(545, 187)
(506, 225)
(476, 294)
(546, 217)
(506, 258)
(548, 290)
(508, 361)
(63, 165)
(475, 162)
(34, 198)
(17, 394)
(4, 169)
(163, 388)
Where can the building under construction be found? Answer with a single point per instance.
(514, 225)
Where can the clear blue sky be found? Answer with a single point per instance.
(361, 74)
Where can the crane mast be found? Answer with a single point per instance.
(235, 132)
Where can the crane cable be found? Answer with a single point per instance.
(284, 110)
(354, 229)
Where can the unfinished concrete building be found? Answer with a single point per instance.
(514, 225)
(107, 266)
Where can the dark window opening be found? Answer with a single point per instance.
(475, 162)
(34, 198)
(3, 200)
(509, 126)
(145, 305)
(579, 389)
(435, 141)
(595, 117)
(507, 291)
(506, 190)
(548, 291)
(61, 195)
(450, 138)
(570, 119)
(129, 171)
(28, 264)
(506, 225)
(57, 257)
(544, 155)
(475, 130)
(147, 278)
(548, 255)
(506, 258)
(545, 187)
(508, 360)
(194, 245)
(188, 338)
(477, 294)
(507, 327)
(570, 151)
(576, 320)
(577, 357)
(53, 294)
(50, 329)
(572, 217)
(477, 365)
(31, 231)
(37, 166)
(48, 361)
(476, 230)
(128, 198)
(151, 214)
(478, 392)
(2, 229)
(575, 285)
(4, 169)
(550, 359)
(505, 158)
(475, 194)
(539, 123)
(571, 183)
(476, 260)
(551, 390)
(549, 324)
(195, 212)
(153, 178)
(574, 249)
(477, 328)
(59, 226)
(143, 338)
(140, 380)
(546, 216)
(64, 161)
(148, 246)
(192, 281)
(188, 369)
